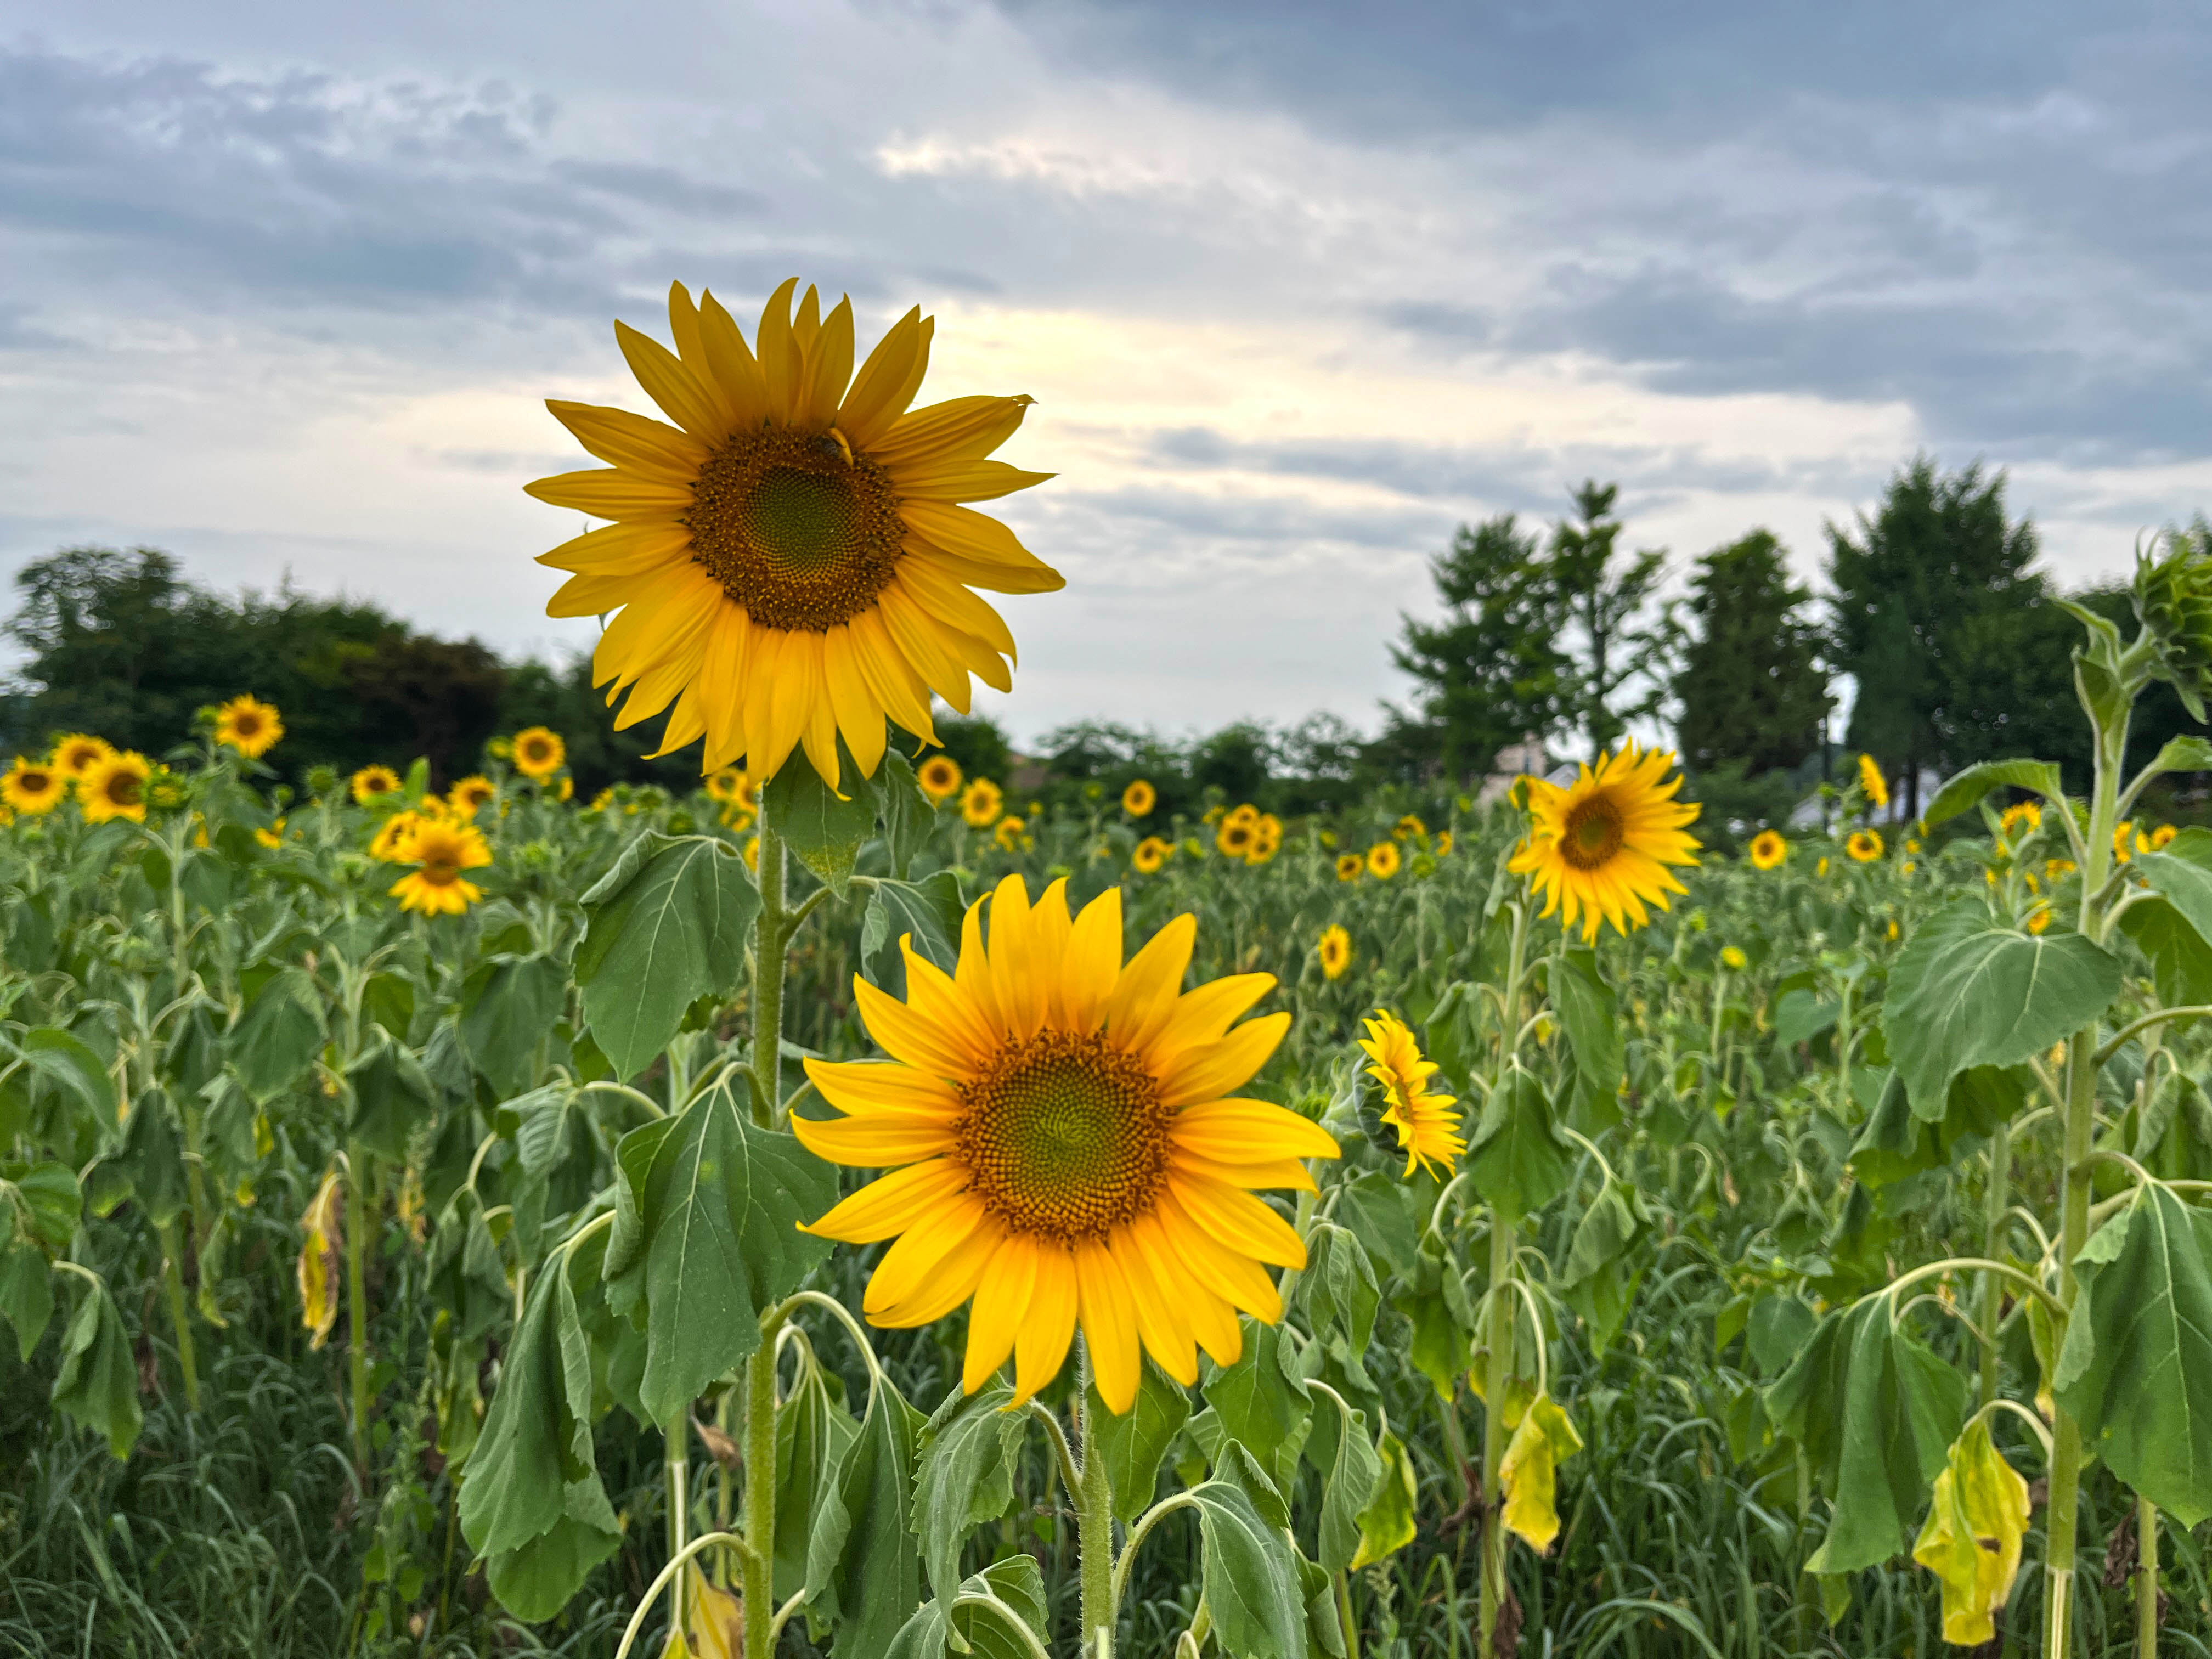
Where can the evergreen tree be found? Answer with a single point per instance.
(1491, 671)
(1750, 687)
(1620, 644)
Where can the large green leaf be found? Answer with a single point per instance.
(508, 1005)
(27, 1291)
(2135, 1367)
(1876, 1412)
(1386, 1525)
(707, 1212)
(1601, 1274)
(1010, 1589)
(1518, 1158)
(66, 1062)
(1585, 1004)
(1350, 1470)
(1895, 1142)
(2182, 874)
(391, 1097)
(1338, 1291)
(824, 832)
(968, 1452)
(46, 1201)
(1261, 1401)
(149, 1166)
(1135, 1443)
(863, 1569)
(909, 815)
(927, 915)
(278, 1034)
(813, 1430)
(2180, 960)
(98, 1382)
(1248, 1573)
(667, 925)
(530, 1498)
(1968, 786)
(1968, 992)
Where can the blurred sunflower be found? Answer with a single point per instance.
(1139, 800)
(2026, 812)
(1426, 1127)
(1408, 829)
(385, 845)
(1768, 850)
(1864, 845)
(1247, 813)
(1237, 835)
(469, 795)
(1066, 1148)
(2039, 920)
(2162, 836)
(539, 753)
(1382, 859)
(440, 851)
(790, 558)
(374, 781)
(1213, 815)
(1151, 852)
(1733, 958)
(981, 803)
(249, 725)
(32, 787)
(1335, 951)
(1012, 835)
(76, 754)
(1600, 847)
(1443, 845)
(1348, 866)
(1267, 839)
(939, 777)
(114, 787)
(1872, 784)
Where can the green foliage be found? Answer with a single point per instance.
(1751, 687)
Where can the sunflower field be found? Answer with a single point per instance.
(848, 1210)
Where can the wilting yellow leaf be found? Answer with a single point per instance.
(716, 1617)
(1530, 1471)
(319, 1302)
(1972, 1538)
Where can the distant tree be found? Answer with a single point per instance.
(1491, 671)
(1238, 760)
(1623, 641)
(978, 742)
(1750, 687)
(1934, 594)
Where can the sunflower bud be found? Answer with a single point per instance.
(2173, 598)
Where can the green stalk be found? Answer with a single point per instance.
(173, 1281)
(1351, 1625)
(1501, 1316)
(760, 1484)
(768, 975)
(2146, 1579)
(1998, 1200)
(1094, 1522)
(356, 1242)
(676, 1451)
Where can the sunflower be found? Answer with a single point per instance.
(272, 837)
(1139, 800)
(32, 788)
(1335, 950)
(1012, 835)
(166, 792)
(374, 781)
(468, 797)
(1864, 845)
(1872, 784)
(1247, 813)
(249, 725)
(1235, 836)
(2026, 811)
(1408, 828)
(1443, 845)
(1382, 859)
(385, 845)
(1267, 839)
(981, 803)
(939, 777)
(1067, 1147)
(2040, 920)
(1768, 850)
(115, 788)
(1426, 1127)
(790, 559)
(1214, 814)
(77, 754)
(1151, 852)
(565, 791)
(730, 786)
(1348, 866)
(440, 851)
(539, 753)
(1733, 958)
(2162, 836)
(1600, 847)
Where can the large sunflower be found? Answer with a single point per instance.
(1067, 1147)
(114, 787)
(76, 754)
(789, 558)
(31, 787)
(1426, 1127)
(440, 851)
(1599, 848)
(248, 724)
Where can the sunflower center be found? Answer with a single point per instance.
(1593, 833)
(1064, 1136)
(126, 789)
(247, 726)
(438, 872)
(799, 532)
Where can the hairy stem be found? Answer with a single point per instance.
(759, 1495)
(768, 976)
(1094, 1522)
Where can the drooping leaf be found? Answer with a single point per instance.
(967, 1453)
(1518, 1158)
(98, 1382)
(863, 1568)
(1387, 1525)
(1135, 1443)
(26, 1292)
(824, 832)
(278, 1034)
(2181, 874)
(149, 1166)
(1261, 1402)
(47, 1201)
(1970, 992)
(1965, 788)
(1338, 1290)
(926, 914)
(1895, 1142)
(66, 1062)
(2180, 960)
(1586, 1007)
(393, 1098)
(1350, 1469)
(707, 1214)
(1972, 1536)
(667, 925)
(467, 1276)
(909, 815)
(508, 1005)
(2135, 1366)
(1801, 1014)
(1530, 1471)
(1247, 1571)
(1601, 1273)
(812, 1432)
(1012, 1588)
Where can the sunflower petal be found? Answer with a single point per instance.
(1049, 1327)
(1110, 1327)
(887, 1207)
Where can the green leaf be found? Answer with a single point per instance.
(1778, 1330)
(1586, 1007)
(1261, 1402)
(391, 1097)
(667, 925)
(2180, 960)
(909, 817)
(98, 1382)
(48, 1204)
(278, 1034)
(2186, 754)
(929, 910)
(863, 1570)
(2182, 875)
(1386, 1525)
(467, 1277)
(1801, 1015)
(1338, 1290)
(1968, 992)
(2143, 1390)
(1895, 1143)
(1968, 786)
(1248, 1573)
(1519, 1160)
(27, 1291)
(1350, 1470)
(706, 1214)
(508, 1005)
(823, 832)
(531, 1498)
(1135, 1443)
(1014, 1586)
(813, 1432)
(1876, 1412)
(149, 1164)
(66, 1062)
(968, 1452)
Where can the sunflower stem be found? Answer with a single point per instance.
(1094, 1524)
(173, 1281)
(357, 1247)
(760, 1491)
(1502, 1312)
(768, 976)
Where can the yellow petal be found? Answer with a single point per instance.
(673, 386)
(910, 1262)
(1210, 1073)
(828, 368)
(623, 549)
(634, 442)
(1092, 962)
(859, 1087)
(933, 588)
(1235, 1278)
(904, 1035)
(947, 1278)
(1049, 1327)
(1238, 1221)
(1202, 1019)
(732, 362)
(983, 540)
(859, 716)
(779, 353)
(1251, 1173)
(1159, 1301)
(960, 481)
(1236, 1131)
(879, 1140)
(886, 383)
(607, 493)
(960, 428)
(1145, 996)
(1002, 1299)
(885, 1209)
(1110, 1327)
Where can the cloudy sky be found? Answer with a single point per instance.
(1297, 286)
